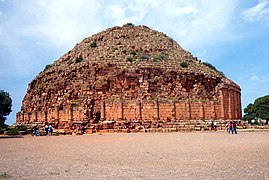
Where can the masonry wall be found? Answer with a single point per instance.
(227, 107)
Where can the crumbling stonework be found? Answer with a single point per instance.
(130, 76)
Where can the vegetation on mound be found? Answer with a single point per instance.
(209, 65)
(184, 64)
(129, 59)
(47, 67)
(93, 44)
(133, 52)
(144, 57)
(79, 59)
(128, 25)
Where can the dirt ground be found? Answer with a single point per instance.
(203, 155)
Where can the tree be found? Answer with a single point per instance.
(260, 109)
(249, 112)
(5, 106)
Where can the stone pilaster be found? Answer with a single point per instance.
(222, 105)
(239, 106)
(22, 116)
(70, 115)
(138, 110)
(80, 116)
(174, 114)
(46, 116)
(103, 111)
(156, 110)
(120, 111)
(213, 110)
(201, 111)
(236, 98)
(230, 105)
(29, 117)
(35, 116)
(57, 113)
(188, 110)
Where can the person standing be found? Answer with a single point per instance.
(46, 129)
(212, 125)
(215, 125)
(234, 127)
(231, 127)
(50, 130)
(227, 127)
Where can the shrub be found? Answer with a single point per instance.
(13, 131)
(133, 52)
(159, 57)
(21, 128)
(155, 59)
(184, 64)
(47, 67)
(129, 59)
(162, 56)
(214, 68)
(70, 62)
(79, 59)
(128, 25)
(93, 44)
(144, 57)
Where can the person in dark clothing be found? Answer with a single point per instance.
(212, 125)
(50, 130)
(234, 127)
(82, 129)
(231, 127)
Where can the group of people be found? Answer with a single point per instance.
(231, 127)
(49, 129)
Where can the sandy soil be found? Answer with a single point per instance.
(209, 155)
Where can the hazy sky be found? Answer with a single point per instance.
(233, 35)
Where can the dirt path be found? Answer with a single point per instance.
(210, 155)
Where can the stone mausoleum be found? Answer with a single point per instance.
(130, 76)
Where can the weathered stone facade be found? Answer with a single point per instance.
(132, 76)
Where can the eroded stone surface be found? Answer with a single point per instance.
(132, 76)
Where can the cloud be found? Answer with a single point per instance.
(115, 12)
(60, 23)
(30, 28)
(63, 23)
(119, 13)
(259, 79)
(257, 12)
(196, 26)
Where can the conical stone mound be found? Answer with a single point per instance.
(129, 75)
